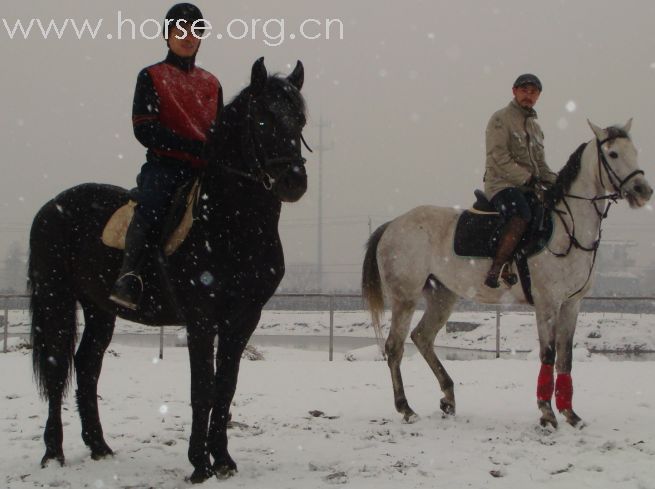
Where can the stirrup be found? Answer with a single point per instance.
(505, 274)
(127, 291)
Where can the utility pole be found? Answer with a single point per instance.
(321, 148)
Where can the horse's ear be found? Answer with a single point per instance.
(600, 133)
(628, 125)
(297, 76)
(258, 76)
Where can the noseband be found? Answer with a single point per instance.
(612, 176)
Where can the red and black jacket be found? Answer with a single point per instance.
(175, 105)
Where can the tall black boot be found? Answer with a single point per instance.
(128, 288)
(509, 239)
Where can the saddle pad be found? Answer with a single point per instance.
(476, 235)
(114, 232)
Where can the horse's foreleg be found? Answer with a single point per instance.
(200, 339)
(546, 322)
(440, 302)
(228, 358)
(98, 330)
(564, 363)
(401, 316)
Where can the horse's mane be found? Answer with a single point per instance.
(280, 82)
(615, 132)
(567, 176)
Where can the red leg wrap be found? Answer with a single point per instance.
(545, 383)
(564, 392)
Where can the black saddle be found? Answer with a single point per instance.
(479, 228)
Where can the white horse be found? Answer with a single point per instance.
(413, 255)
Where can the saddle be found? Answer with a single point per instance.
(176, 227)
(478, 231)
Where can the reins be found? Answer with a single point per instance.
(602, 214)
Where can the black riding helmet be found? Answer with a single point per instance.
(184, 12)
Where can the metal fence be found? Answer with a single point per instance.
(334, 303)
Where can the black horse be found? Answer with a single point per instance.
(217, 282)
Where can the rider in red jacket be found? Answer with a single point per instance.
(176, 104)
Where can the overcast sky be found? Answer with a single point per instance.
(408, 93)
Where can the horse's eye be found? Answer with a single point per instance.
(614, 155)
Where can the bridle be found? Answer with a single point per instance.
(617, 184)
(261, 162)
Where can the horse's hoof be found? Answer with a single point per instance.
(547, 414)
(224, 472)
(102, 455)
(448, 407)
(548, 420)
(572, 418)
(224, 468)
(410, 418)
(58, 457)
(200, 475)
(101, 451)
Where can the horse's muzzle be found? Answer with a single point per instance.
(292, 185)
(638, 192)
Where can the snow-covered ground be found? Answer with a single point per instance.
(493, 441)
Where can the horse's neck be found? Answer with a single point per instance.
(229, 195)
(228, 192)
(583, 215)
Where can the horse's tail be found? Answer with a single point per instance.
(371, 282)
(52, 302)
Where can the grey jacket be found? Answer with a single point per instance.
(515, 150)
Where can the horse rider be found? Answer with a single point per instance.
(515, 168)
(176, 104)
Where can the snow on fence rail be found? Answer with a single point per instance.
(334, 302)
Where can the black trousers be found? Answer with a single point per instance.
(513, 202)
(157, 184)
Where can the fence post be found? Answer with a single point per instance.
(497, 331)
(6, 333)
(331, 327)
(161, 342)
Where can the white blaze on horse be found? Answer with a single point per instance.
(414, 255)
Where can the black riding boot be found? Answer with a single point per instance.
(509, 239)
(128, 288)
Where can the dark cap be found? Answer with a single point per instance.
(527, 79)
(186, 12)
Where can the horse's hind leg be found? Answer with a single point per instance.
(98, 330)
(439, 304)
(564, 361)
(53, 342)
(401, 316)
